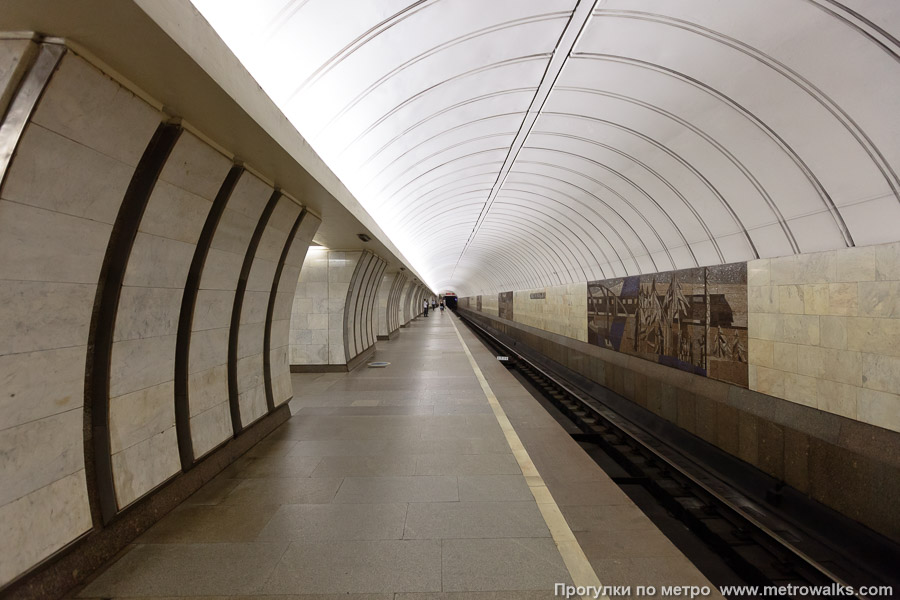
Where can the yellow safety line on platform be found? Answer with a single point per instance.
(573, 556)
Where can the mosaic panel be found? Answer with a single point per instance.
(693, 319)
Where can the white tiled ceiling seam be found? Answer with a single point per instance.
(513, 144)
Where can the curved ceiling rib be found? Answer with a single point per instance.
(711, 141)
(516, 144)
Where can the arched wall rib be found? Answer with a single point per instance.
(234, 331)
(112, 276)
(186, 318)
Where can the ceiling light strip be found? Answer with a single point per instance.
(580, 16)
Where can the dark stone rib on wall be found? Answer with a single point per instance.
(354, 280)
(358, 289)
(233, 395)
(372, 331)
(394, 303)
(25, 100)
(98, 461)
(186, 318)
(270, 311)
(362, 305)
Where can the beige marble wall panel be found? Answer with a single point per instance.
(35, 526)
(251, 389)
(395, 310)
(341, 266)
(308, 345)
(358, 316)
(350, 320)
(382, 301)
(825, 331)
(318, 319)
(59, 199)
(142, 409)
(403, 308)
(372, 308)
(279, 358)
(490, 304)
(563, 310)
(145, 465)
(84, 105)
(208, 354)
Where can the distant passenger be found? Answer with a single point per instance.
(442, 306)
(426, 308)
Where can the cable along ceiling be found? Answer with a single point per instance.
(516, 144)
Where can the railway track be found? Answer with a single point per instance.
(758, 545)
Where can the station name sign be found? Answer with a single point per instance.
(538, 295)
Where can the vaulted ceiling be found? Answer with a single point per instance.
(512, 144)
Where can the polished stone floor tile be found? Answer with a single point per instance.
(377, 465)
(214, 491)
(436, 520)
(188, 570)
(338, 447)
(506, 564)
(599, 545)
(271, 447)
(321, 522)
(357, 490)
(358, 566)
(467, 464)
(462, 409)
(486, 445)
(279, 466)
(655, 571)
(493, 488)
(208, 524)
(584, 493)
(605, 517)
(284, 490)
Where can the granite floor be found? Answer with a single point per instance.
(397, 483)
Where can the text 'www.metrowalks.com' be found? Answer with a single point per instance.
(833, 590)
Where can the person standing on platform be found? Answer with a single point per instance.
(442, 307)
(426, 308)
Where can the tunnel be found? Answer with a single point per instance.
(420, 299)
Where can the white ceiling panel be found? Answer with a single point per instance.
(515, 144)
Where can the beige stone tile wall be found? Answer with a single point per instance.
(341, 267)
(370, 329)
(404, 309)
(490, 304)
(562, 311)
(824, 331)
(279, 353)
(250, 365)
(59, 200)
(208, 354)
(358, 316)
(317, 319)
(382, 301)
(141, 410)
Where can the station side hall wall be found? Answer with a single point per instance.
(334, 316)
(146, 287)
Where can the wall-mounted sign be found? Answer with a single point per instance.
(538, 295)
(504, 358)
